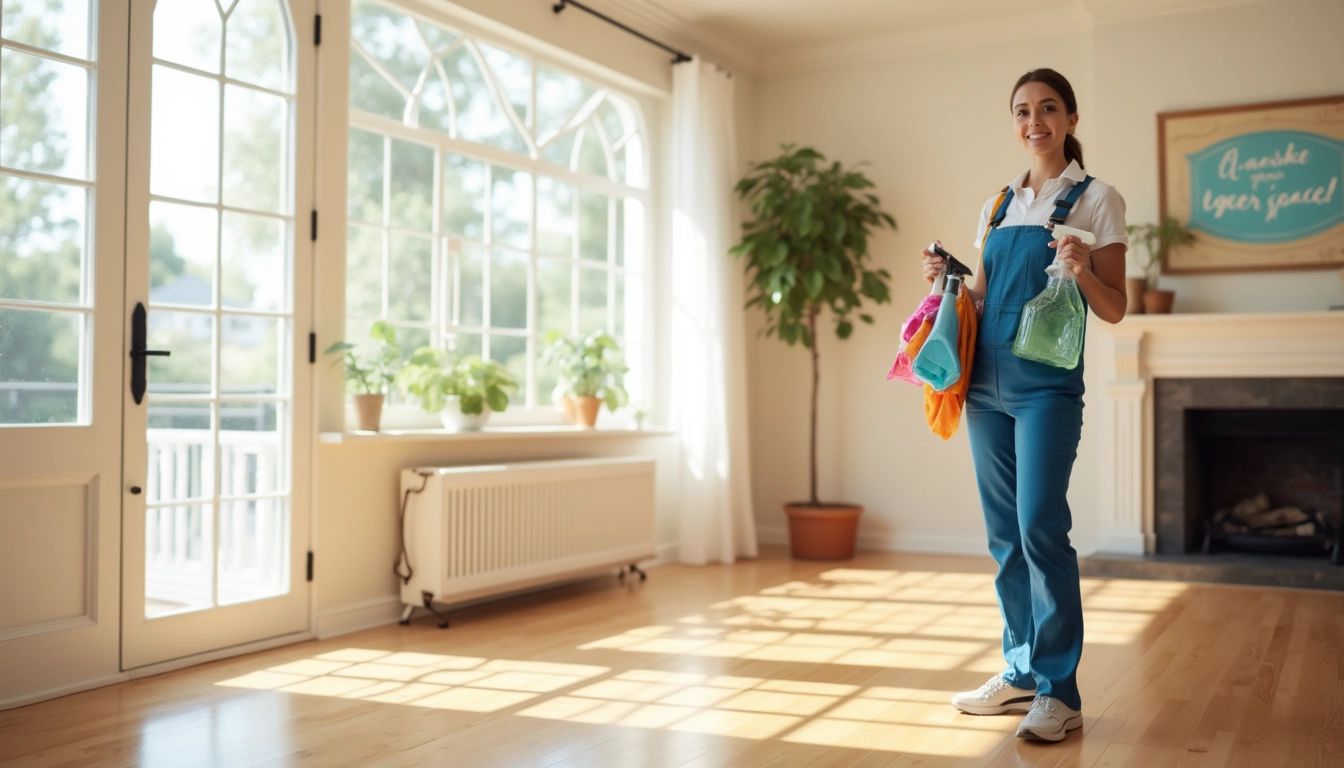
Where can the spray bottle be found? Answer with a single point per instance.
(1052, 324)
(938, 363)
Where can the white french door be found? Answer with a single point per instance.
(62, 184)
(218, 277)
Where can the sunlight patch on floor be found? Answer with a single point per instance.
(436, 681)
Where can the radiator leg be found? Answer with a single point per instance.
(642, 575)
(406, 615)
(429, 606)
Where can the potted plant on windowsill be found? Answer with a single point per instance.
(463, 391)
(1156, 241)
(591, 372)
(806, 251)
(369, 371)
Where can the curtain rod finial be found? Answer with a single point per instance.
(558, 7)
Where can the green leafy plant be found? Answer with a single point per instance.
(806, 250)
(369, 370)
(432, 376)
(1156, 240)
(587, 366)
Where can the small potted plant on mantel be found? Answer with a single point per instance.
(591, 372)
(1156, 241)
(464, 391)
(369, 371)
(806, 251)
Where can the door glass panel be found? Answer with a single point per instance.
(254, 272)
(251, 449)
(182, 242)
(40, 355)
(187, 32)
(181, 463)
(254, 142)
(56, 25)
(184, 143)
(249, 355)
(253, 549)
(178, 570)
(190, 337)
(42, 240)
(257, 52)
(44, 112)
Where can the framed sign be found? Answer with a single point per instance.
(1259, 185)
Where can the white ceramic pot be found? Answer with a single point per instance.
(454, 420)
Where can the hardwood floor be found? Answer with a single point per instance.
(765, 663)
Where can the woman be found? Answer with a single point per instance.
(1024, 417)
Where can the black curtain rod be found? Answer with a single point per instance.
(679, 55)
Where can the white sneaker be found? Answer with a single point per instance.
(1049, 720)
(995, 697)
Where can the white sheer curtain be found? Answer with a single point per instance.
(708, 371)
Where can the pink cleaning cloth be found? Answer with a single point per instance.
(926, 307)
(900, 368)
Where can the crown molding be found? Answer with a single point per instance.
(656, 21)
(1079, 17)
(1107, 12)
(924, 41)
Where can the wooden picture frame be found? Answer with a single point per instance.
(1260, 185)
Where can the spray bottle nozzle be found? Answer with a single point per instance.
(952, 267)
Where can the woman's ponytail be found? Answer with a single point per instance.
(1073, 149)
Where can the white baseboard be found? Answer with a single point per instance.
(377, 612)
(65, 690)
(666, 554)
(930, 544)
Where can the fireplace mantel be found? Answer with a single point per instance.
(1191, 346)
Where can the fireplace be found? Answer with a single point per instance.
(1215, 375)
(1253, 465)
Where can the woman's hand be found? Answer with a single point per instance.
(933, 263)
(1076, 257)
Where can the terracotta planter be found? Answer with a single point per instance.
(825, 532)
(1134, 290)
(1158, 302)
(368, 412)
(585, 410)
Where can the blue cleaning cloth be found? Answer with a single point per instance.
(938, 363)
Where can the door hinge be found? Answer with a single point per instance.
(312, 225)
(312, 347)
(317, 29)
(310, 565)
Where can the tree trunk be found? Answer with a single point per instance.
(816, 380)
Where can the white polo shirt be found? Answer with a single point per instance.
(1100, 210)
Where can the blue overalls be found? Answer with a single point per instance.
(1025, 419)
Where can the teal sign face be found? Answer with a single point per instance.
(1267, 187)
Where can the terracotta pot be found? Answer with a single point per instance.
(1158, 302)
(1134, 289)
(585, 410)
(368, 412)
(824, 532)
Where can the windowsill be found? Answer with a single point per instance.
(489, 433)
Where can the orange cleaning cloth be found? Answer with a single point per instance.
(943, 409)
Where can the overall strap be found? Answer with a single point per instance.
(1064, 205)
(997, 212)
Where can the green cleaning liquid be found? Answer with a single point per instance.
(1051, 328)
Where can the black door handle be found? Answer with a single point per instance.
(139, 336)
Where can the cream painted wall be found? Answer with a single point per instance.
(356, 482)
(935, 128)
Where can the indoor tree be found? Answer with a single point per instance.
(806, 251)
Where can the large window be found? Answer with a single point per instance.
(493, 197)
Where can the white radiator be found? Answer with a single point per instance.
(481, 530)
